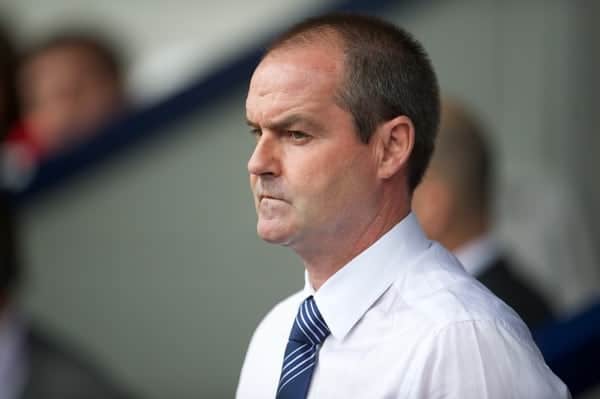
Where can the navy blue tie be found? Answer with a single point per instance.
(308, 333)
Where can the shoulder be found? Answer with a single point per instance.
(261, 367)
(488, 358)
(437, 290)
(471, 342)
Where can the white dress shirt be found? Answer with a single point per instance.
(406, 321)
(478, 255)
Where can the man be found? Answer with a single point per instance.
(345, 109)
(454, 205)
(33, 364)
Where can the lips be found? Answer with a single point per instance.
(266, 190)
(264, 196)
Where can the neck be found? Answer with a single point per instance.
(332, 253)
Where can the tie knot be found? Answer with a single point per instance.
(309, 326)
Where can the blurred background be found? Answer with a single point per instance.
(137, 228)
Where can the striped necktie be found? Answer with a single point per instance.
(308, 333)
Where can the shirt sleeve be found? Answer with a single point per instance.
(487, 360)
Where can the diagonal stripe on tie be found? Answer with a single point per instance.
(301, 355)
(308, 333)
(293, 352)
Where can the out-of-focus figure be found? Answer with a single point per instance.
(454, 205)
(68, 86)
(32, 363)
(547, 225)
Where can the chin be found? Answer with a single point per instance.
(273, 235)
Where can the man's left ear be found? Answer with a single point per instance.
(397, 137)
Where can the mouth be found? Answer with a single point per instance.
(263, 196)
(268, 197)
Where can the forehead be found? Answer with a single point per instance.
(68, 57)
(295, 75)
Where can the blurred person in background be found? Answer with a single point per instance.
(454, 205)
(68, 86)
(33, 364)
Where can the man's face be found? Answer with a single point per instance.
(66, 92)
(312, 178)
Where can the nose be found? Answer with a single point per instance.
(265, 159)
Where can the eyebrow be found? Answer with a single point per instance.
(287, 122)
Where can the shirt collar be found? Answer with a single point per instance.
(347, 295)
(477, 255)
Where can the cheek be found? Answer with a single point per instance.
(333, 184)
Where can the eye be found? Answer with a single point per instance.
(298, 136)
